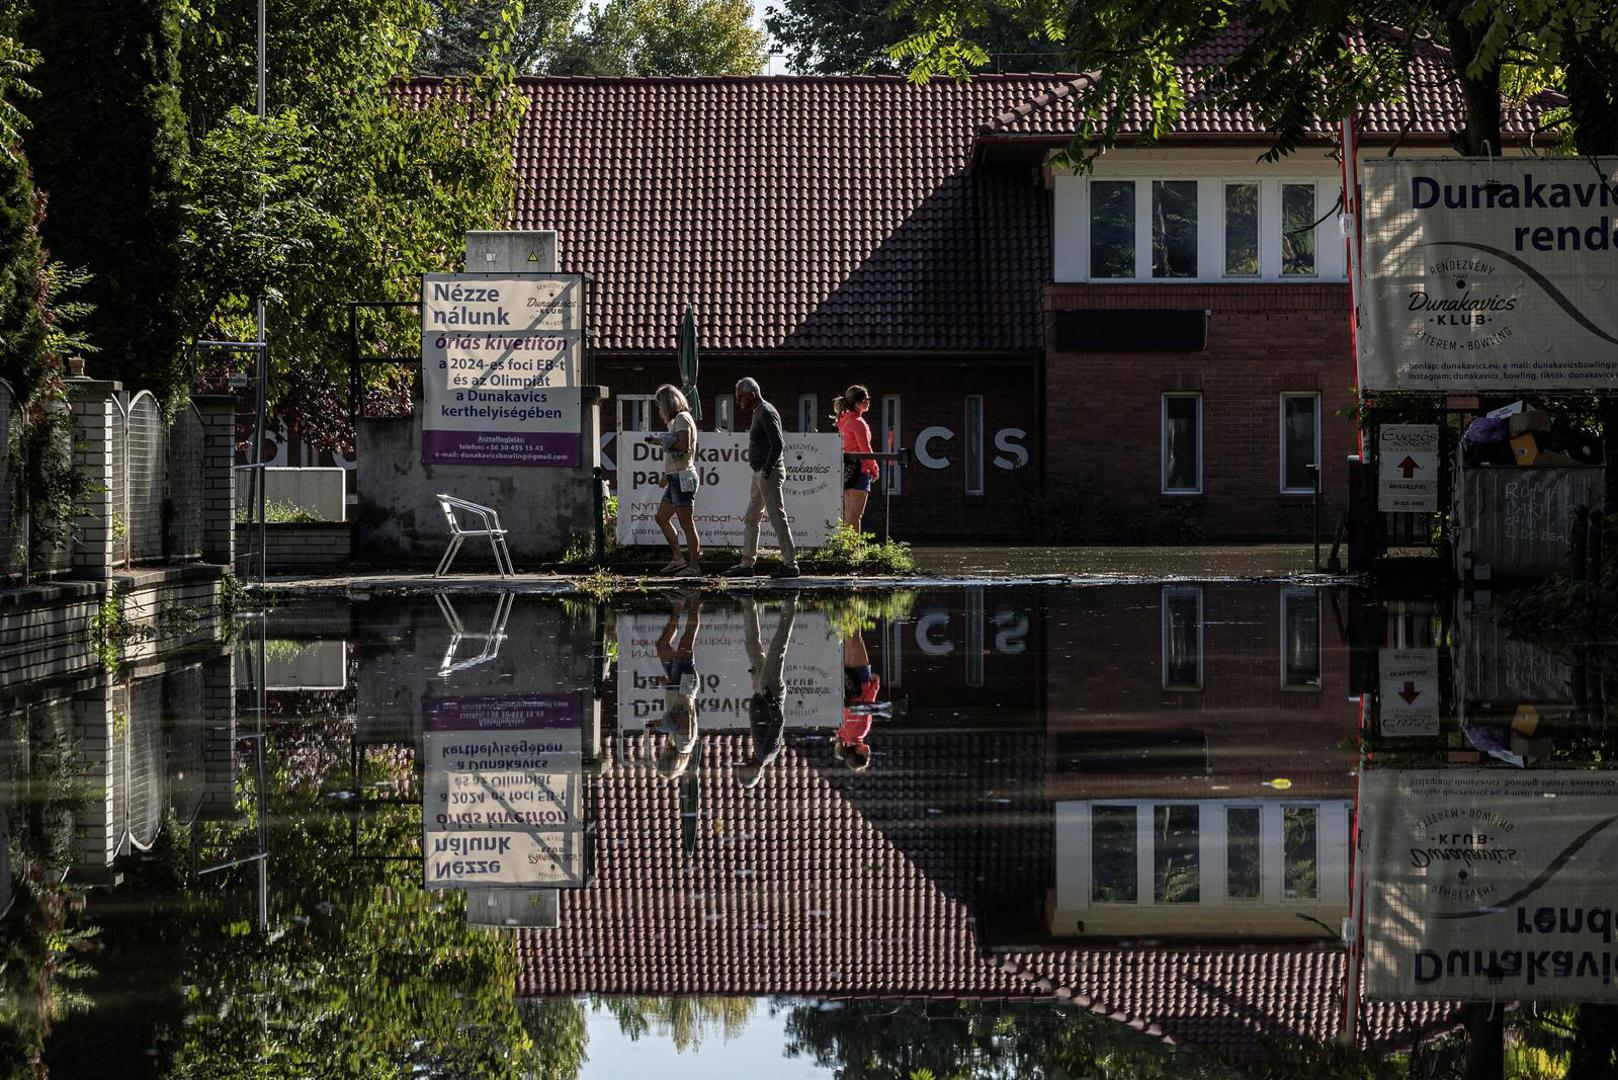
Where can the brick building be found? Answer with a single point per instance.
(1161, 346)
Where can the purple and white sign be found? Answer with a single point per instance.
(502, 712)
(500, 370)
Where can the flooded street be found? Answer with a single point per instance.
(980, 831)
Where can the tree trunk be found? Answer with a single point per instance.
(1480, 137)
(1590, 69)
(1486, 1041)
(1595, 1044)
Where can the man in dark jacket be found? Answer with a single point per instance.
(766, 709)
(765, 448)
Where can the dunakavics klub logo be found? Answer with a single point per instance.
(1463, 305)
(1466, 857)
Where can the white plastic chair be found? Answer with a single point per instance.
(490, 522)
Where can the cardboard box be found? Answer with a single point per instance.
(1530, 454)
(1528, 421)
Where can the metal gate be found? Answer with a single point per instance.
(183, 486)
(144, 457)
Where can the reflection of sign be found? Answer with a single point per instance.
(814, 670)
(1408, 702)
(1408, 473)
(814, 488)
(502, 798)
(500, 361)
(1490, 884)
(1488, 274)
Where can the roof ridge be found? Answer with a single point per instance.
(651, 80)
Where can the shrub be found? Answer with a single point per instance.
(847, 551)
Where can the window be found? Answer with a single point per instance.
(1241, 230)
(1112, 229)
(1297, 230)
(1242, 853)
(1300, 442)
(974, 444)
(1182, 444)
(1174, 228)
(1113, 841)
(724, 412)
(1300, 878)
(1300, 639)
(890, 436)
(808, 412)
(974, 636)
(635, 412)
(1182, 637)
(1176, 855)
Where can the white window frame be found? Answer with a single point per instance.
(724, 412)
(1225, 847)
(1163, 443)
(1167, 628)
(972, 440)
(1199, 200)
(1281, 220)
(1224, 234)
(892, 418)
(1281, 436)
(1140, 220)
(1320, 644)
(644, 404)
(808, 412)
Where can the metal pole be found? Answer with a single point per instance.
(1315, 468)
(262, 351)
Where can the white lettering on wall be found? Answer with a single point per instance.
(924, 454)
(1013, 627)
(924, 634)
(1013, 454)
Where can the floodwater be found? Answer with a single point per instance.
(1174, 829)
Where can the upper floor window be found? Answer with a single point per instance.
(1204, 227)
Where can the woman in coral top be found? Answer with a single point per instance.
(859, 476)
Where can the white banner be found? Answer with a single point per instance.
(1490, 884)
(814, 488)
(500, 369)
(1488, 274)
(814, 669)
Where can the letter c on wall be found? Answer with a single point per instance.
(927, 624)
(925, 456)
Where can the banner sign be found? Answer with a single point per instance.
(502, 791)
(500, 369)
(1490, 884)
(814, 670)
(1488, 274)
(814, 488)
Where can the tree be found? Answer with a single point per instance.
(364, 187)
(463, 35)
(664, 37)
(1296, 63)
(22, 257)
(838, 37)
(109, 151)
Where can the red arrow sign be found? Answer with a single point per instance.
(1407, 466)
(1410, 693)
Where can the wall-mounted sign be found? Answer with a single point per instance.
(1488, 274)
(1407, 470)
(814, 489)
(501, 357)
(1408, 704)
(1490, 884)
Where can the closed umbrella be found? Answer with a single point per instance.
(685, 357)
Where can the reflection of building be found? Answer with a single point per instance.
(944, 870)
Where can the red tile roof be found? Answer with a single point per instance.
(794, 889)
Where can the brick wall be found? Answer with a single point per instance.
(1103, 409)
(1255, 729)
(932, 502)
(300, 547)
(218, 412)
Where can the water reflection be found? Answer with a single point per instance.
(1005, 831)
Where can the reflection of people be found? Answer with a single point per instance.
(766, 446)
(859, 476)
(861, 686)
(680, 481)
(680, 686)
(765, 715)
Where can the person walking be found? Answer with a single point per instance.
(680, 481)
(765, 447)
(680, 685)
(859, 475)
(766, 713)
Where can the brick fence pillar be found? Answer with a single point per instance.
(218, 412)
(98, 526)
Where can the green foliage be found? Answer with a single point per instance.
(277, 512)
(664, 37)
(684, 1020)
(23, 354)
(465, 34)
(364, 189)
(850, 613)
(848, 551)
(831, 37)
(109, 152)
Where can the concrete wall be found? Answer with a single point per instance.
(320, 491)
